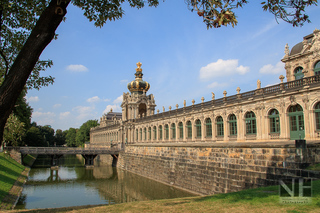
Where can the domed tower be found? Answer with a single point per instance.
(138, 85)
(137, 104)
(304, 58)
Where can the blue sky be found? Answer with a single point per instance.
(181, 59)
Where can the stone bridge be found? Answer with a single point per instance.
(88, 154)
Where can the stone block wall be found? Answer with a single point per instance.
(219, 168)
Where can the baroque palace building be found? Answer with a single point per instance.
(287, 111)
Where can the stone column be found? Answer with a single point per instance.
(193, 130)
(241, 127)
(203, 129)
(307, 123)
(213, 126)
(225, 128)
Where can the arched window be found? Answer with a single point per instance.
(180, 126)
(166, 129)
(149, 133)
(220, 131)
(173, 130)
(295, 108)
(160, 132)
(298, 74)
(189, 129)
(141, 134)
(296, 121)
(317, 68)
(274, 121)
(137, 135)
(208, 128)
(317, 112)
(251, 127)
(154, 133)
(232, 124)
(198, 128)
(145, 134)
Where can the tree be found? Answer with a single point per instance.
(71, 137)
(34, 137)
(48, 134)
(217, 13)
(35, 23)
(23, 111)
(60, 137)
(83, 135)
(14, 131)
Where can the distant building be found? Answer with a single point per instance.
(286, 111)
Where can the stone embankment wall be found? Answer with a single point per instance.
(219, 168)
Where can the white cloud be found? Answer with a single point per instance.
(270, 69)
(107, 100)
(216, 84)
(84, 111)
(93, 99)
(77, 68)
(222, 68)
(266, 28)
(116, 105)
(64, 115)
(118, 100)
(43, 118)
(33, 99)
(115, 108)
(56, 105)
(39, 114)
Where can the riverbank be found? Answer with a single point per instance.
(13, 176)
(264, 199)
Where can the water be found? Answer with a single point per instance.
(74, 185)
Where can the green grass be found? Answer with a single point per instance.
(315, 167)
(29, 159)
(10, 170)
(262, 200)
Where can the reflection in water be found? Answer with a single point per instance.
(74, 185)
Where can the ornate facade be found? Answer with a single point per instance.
(286, 111)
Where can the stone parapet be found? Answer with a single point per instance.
(219, 168)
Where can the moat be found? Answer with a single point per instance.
(74, 185)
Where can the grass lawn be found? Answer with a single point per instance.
(10, 170)
(315, 167)
(264, 199)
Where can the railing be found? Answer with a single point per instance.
(241, 96)
(68, 150)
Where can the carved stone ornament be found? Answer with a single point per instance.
(292, 100)
(238, 90)
(286, 50)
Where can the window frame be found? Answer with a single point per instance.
(251, 123)
(189, 129)
(274, 120)
(233, 125)
(198, 128)
(220, 126)
(208, 127)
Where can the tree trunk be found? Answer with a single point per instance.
(41, 35)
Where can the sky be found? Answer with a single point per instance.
(181, 59)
